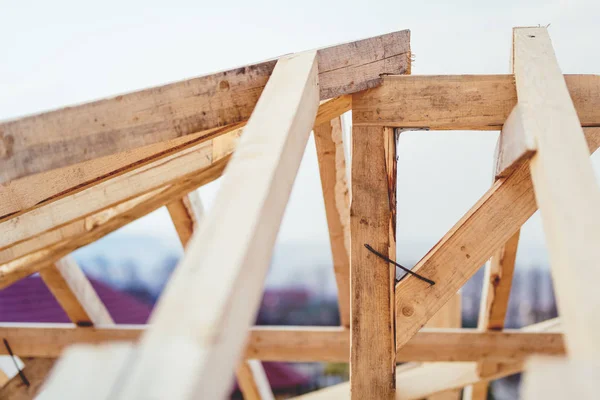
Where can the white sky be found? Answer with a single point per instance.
(56, 53)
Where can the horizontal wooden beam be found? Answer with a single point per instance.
(418, 381)
(72, 135)
(303, 344)
(465, 248)
(459, 102)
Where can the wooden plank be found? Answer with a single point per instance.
(514, 146)
(35, 371)
(556, 378)
(83, 232)
(373, 222)
(69, 379)
(253, 381)
(31, 192)
(461, 252)
(332, 169)
(186, 213)
(565, 187)
(75, 293)
(459, 102)
(449, 316)
(126, 186)
(109, 193)
(422, 380)
(238, 236)
(75, 134)
(304, 343)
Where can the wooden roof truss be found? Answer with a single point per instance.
(74, 175)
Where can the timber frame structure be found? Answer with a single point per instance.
(71, 176)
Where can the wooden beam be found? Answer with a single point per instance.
(36, 370)
(459, 102)
(109, 193)
(238, 236)
(253, 381)
(303, 343)
(186, 213)
(449, 316)
(460, 253)
(31, 192)
(372, 222)
(565, 186)
(75, 134)
(332, 168)
(89, 229)
(169, 170)
(75, 294)
(419, 381)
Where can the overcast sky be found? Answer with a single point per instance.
(56, 53)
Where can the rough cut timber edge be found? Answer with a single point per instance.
(75, 134)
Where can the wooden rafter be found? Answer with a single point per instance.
(76, 134)
(565, 186)
(332, 168)
(272, 145)
(186, 214)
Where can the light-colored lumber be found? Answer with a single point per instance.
(456, 257)
(186, 213)
(54, 244)
(172, 169)
(237, 237)
(34, 191)
(35, 370)
(98, 225)
(565, 187)
(109, 193)
(69, 379)
(459, 102)
(75, 293)
(554, 378)
(514, 146)
(423, 380)
(449, 316)
(75, 134)
(304, 344)
(253, 381)
(332, 168)
(372, 222)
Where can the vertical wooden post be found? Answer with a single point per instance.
(373, 222)
(332, 168)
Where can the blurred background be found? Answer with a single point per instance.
(64, 52)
